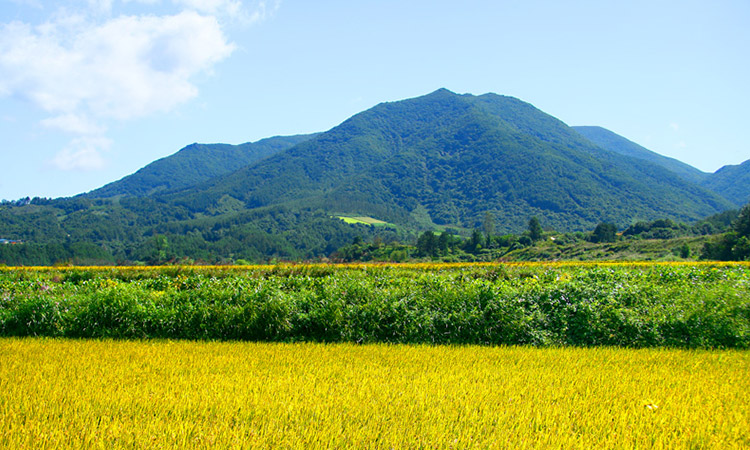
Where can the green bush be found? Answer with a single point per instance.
(694, 306)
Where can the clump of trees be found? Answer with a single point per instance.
(377, 250)
(604, 232)
(733, 245)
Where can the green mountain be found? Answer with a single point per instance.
(614, 142)
(447, 159)
(194, 164)
(732, 182)
(442, 160)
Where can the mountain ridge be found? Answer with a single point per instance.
(619, 144)
(192, 164)
(392, 136)
(732, 181)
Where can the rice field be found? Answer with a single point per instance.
(64, 394)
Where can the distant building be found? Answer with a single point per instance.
(9, 241)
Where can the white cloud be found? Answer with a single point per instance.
(75, 124)
(674, 126)
(232, 9)
(212, 6)
(264, 10)
(126, 67)
(87, 67)
(82, 154)
(101, 6)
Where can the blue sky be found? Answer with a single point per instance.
(92, 90)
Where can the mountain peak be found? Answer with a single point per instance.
(447, 158)
(442, 91)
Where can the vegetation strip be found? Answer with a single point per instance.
(65, 394)
(365, 265)
(633, 304)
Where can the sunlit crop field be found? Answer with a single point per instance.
(61, 394)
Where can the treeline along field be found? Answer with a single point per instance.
(633, 305)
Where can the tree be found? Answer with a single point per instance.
(443, 242)
(604, 232)
(741, 225)
(427, 244)
(734, 245)
(741, 249)
(488, 224)
(474, 243)
(535, 229)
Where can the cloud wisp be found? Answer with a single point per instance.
(87, 67)
(83, 153)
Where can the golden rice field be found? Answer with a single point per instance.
(64, 394)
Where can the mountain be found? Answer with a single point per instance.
(447, 159)
(442, 160)
(732, 182)
(614, 142)
(193, 164)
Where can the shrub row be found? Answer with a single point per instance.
(636, 306)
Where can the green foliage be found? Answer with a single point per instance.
(78, 253)
(694, 306)
(658, 229)
(124, 237)
(604, 232)
(427, 244)
(488, 225)
(535, 229)
(734, 245)
(433, 246)
(732, 182)
(741, 225)
(375, 251)
(715, 224)
(474, 243)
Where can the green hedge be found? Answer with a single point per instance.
(698, 306)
